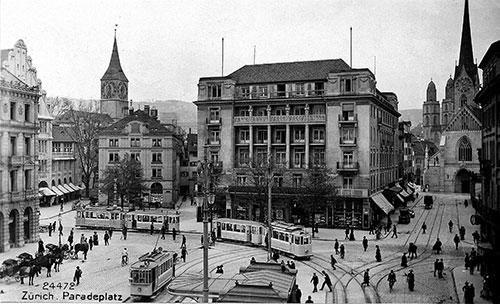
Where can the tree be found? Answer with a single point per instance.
(318, 188)
(128, 176)
(59, 105)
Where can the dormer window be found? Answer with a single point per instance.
(214, 90)
(135, 127)
(299, 89)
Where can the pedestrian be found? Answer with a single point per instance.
(162, 230)
(124, 232)
(342, 251)
(315, 281)
(404, 260)
(336, 246)
(437, 246)
(436, 266)
(50, 229)
(378, 256)
(410, 278)
(351, 235)
(60, 229)
(394, 231)
(298, 294)
(91, 242)
(183, 241)
(462, 233)
(106, 238)
(440, 269)
(365, 243)
(78, 275)
(472, 263)
(70, 240)
(96, 239)
(41, 248)
(152, 228)
(478, 261)
(333, 261)
(276, 256)
(62, 206)
(456, 239)
(82, 239)
(347, 233)
(476, 236)
(309, 300)
(124, 257)
(54, 226)
(424, 227)
(371, 229)
(110, 232)
(412, 250)
(292, 265)
(174, 233)
(467, 260)
(366, 278)
(466, 203)
(326, 281)
(213, 237)
(450, 225)
(392, 279)
(183, 253)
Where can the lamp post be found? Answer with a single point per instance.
(60, 220)
(115, 194)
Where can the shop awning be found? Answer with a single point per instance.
(46, 191)
(57, 191)
(67, 187)
(400, 198)
(75, 187)
(381, 201)
(396, 189)
(62, 189)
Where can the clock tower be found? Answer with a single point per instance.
(114, 88)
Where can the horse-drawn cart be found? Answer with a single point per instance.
(10, 269)
(56, 250)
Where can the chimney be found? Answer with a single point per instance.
(146, 109)
(154, 113)
(189, 130)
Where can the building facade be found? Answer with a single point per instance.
(301, 113)
(488, 205)
(19, 96)
(460, 126)
(158, 148)
(189, 164)
(44, 144)
(405, 153)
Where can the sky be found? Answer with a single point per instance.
(166, 46)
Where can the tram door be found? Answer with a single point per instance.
(249, 233)
(219, 230)
(134, 222)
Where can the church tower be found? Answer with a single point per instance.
(431, 115)
(114, 88)
(448, 104)
(466, 80)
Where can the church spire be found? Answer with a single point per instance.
(114, 71)
(466, 58)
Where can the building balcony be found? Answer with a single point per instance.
(348, 119)
(213, 121)
(63, 155)
(348, 142)
(156, 177)
(353, 192)
(255, 120)
(281, 94)
(352, 167)
(213, 142)
(21, 160)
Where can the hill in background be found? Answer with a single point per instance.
(413, 115)
(178, 112)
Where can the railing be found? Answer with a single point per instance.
(63, 154)
(281, 94)
(348, 166)
(212, 142)
(353, 192)
(19, 160)
(279, 118)
(210, 121)
(348, 142)
(348, 119)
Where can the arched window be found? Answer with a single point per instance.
(436, 121)
(463, 100)
(464, 149)
(426, 120)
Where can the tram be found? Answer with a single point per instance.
(287, 238)
(114, 218)
(151, 273)
(428, 201)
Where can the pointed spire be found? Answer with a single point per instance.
(114, 71)
(466, 58)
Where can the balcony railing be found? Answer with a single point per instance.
(347, 142)
(353, 192)
(213, 121)
(348, 119)
(281, 94)
(21, 160)
(63, 155)
(348, 166)
(213, 142)
(279, 118)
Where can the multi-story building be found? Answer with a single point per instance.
(302, 113)
(140, 135)
(189, 164)
(405, 153)
(488, 206)
(44, 144)
(19, 95)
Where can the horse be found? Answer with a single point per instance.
(84, 247)
(44, 261)
(30, 272)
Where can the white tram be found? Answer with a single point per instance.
(151, 273)
(287, 238)
(114, 218)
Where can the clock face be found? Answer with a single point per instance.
(122, 91)
(464, 84)
(107, 90)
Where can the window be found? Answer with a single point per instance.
(156, 173)
(13, 147)
(279, 111)
(113, 142)
(298, 157)
(135, 156)
(464, 149)
(244, 135)
(263, 91)
(214, 90)
(241, 180)
(299, 89)
(297, 180)
(193, 164)
(214, 136)
(318, 134)
(113, 157)
(27, 146)
(279, 136)
(278, 180)
(243, 156)
(214, 157)
(243, 112)
(261, 136)
(348, 158)
(261, 155)
(347, 111)
(13, 181)
(348, 135)
(280, 156)
(135, 142)
(135, 127)
(347, 182)
(245, 92)
(463, 100)
(13, 111)
(318, 156)
(156, 142)
(281, 90)
(299, 110)
(28, 183)
(27, 114)
(348, 85)
(319, 87)
(156, 158)
(184, 174)
(214, 115)
(56, 147)
(68, 147)
(298, 135)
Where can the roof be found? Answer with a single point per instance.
(67, 116)
(154, 125)
(381, 201)
(288, 71)
(114, 71)
(61, 134)
(466, 58)
(493, 49)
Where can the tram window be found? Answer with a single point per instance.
(145, 218)
(139, 218)
(223, 226)
(292, 237)
(286, 237)
(260, 230)
(243, 228)
(236, 227)
(229, 227)
(254, 230)
(306, 241)
(275, 235)
(153, 218)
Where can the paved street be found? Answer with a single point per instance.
(102, 272)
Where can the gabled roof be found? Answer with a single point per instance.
(44, 113)
(67, 117)
(61, 134)
(493, 49)
(114, 71)
(288, 71)
(154, 126)
(474, 123)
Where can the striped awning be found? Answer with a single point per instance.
(46, 191)
(76, 188)
(67, 187)
(381, 201)
(404, 193)
(57, 191)
(62, 189)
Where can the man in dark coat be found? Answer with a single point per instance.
(411, 280)
(91, 242)
(394, 231)
(342, 251)
(174, 233)
(162, 231)
(336, 246)
(152, 228)
(298, 294)
(436, 266)
(326, 281)
(378, 256)
(315, 282)
(456, 239)
(41, 248)
(78, 275)
(106, 238)
(96, 239)
(50, 229)
(365, 243)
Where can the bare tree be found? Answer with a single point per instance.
(59, 105)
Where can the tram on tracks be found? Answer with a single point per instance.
(114, 218)
(287, 238)
(151, 273)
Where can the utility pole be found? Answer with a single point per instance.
(269, 205)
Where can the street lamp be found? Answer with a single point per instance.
(60, 223)
(211, 201)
